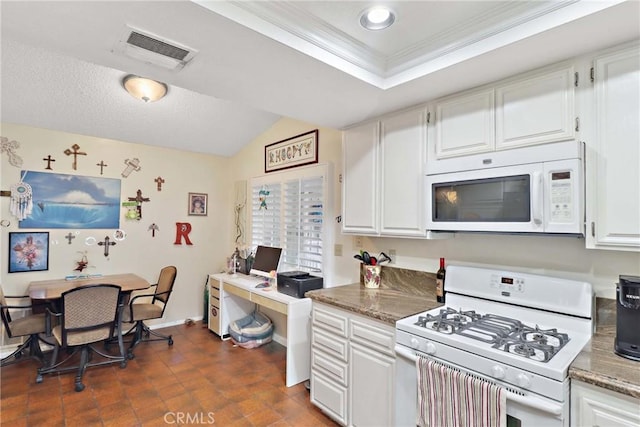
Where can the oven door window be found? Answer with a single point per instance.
(513, 422)
(503, 199)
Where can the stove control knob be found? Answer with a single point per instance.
(430, 348)
(523, 381)
(497, 372)
(415, 343)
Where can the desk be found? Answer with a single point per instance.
(231, 298)
(53, 289)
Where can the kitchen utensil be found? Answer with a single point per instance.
(374, 260)
(366, 258)
(383, 258)
(359, 257)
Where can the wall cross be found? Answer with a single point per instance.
(75, 153)
(106, 245)
(48, 159)
(139, 199)
(70, 237)
(159, 181)
(102, 165)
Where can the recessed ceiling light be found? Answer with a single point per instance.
(377, 18)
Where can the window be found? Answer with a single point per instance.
(290, 214)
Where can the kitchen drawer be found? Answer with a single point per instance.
(242, 293)
(269, 303)
(376, 336)
(334, 369)
(330, 344)
(329, 319)
(330, 397)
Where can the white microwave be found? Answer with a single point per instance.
(538, 189)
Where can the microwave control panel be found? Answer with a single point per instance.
(561, 197)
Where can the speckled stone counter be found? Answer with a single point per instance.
(598, 365)
(401, 294)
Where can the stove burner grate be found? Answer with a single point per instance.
(503, 333)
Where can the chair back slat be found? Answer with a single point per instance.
(165, 284)
(4, 313)
(89, 307)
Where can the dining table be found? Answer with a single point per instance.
(53, 289)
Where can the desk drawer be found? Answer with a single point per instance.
(269, 303)
(214, 291)
(237, 291)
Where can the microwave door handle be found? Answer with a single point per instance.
(536, 198)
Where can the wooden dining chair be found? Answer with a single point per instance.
(30, 326)
(88, 315)
(137, 312)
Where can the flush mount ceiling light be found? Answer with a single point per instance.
(377, 18)
(144, 89)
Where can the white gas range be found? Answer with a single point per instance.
(520, 331)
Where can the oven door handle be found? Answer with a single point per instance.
(529, 401)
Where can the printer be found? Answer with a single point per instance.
(297, 283)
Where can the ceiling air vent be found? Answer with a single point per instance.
(154, 50)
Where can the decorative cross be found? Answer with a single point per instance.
(159, 181)
(69, 237)
(75, 153)
(139, 198)
(106, 245)
(48, 159)
(153, 227)
(102, 164)
(132, 165)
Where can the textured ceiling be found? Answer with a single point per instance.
(62, 64)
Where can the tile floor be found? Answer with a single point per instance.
(199, 380)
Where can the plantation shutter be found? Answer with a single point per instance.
(303, 217)
(266, 215)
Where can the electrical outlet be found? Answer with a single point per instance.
(357, 242)
(392, 255)
(337, 250)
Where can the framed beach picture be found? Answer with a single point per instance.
(289, 153)
(28, 251)
(72, 201)
(198, 204)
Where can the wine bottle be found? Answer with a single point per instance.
(440, 282)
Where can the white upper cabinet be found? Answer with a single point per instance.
(536, 110)
(464, 124)
(360, 179)
(613, 159)
(383, 176)
(403, 146)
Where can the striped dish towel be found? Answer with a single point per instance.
(451, 398)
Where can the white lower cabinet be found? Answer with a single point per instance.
(352, 367)
(596, 407)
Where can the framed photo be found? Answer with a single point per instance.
(28, 251)
(289, 153)
(198, 204)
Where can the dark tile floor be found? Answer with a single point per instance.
(199, 380)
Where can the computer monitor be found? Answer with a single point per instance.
(265, 261)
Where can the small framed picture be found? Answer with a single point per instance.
(198, 204)
(28, 251)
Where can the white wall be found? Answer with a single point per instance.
(139, 253)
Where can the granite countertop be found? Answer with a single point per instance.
(386, 305)
(401, 293)
(598, 365)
